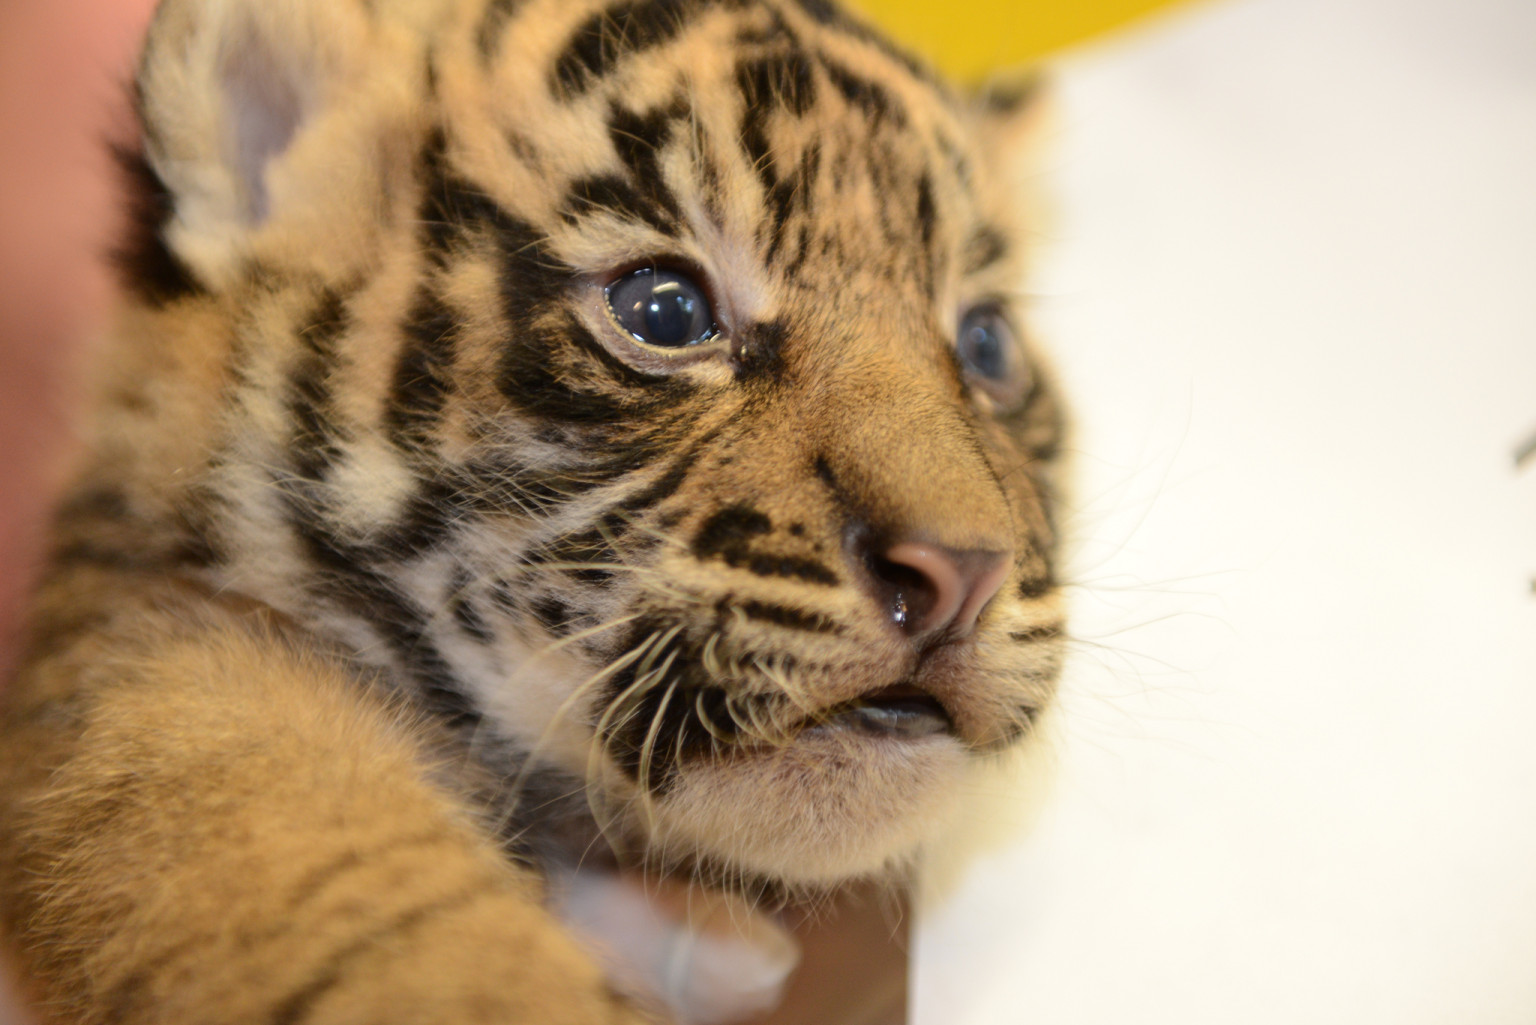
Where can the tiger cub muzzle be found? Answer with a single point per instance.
(855, 616)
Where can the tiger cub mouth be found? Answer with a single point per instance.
(899, 711)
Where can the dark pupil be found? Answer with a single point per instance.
(982, 349)
(670, 314)
(661, 307)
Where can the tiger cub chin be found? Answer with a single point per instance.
(536, 431)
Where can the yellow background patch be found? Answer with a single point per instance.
(971, 38)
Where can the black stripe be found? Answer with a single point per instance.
(620, 373)
(827, 13)
(492, 24)
(824, 11)
(128, 995)
(309, 885)
(345, 575)
(105, 503)
(608, 193)
(803, 240)
(985, 246)
(678, 727)
(296, 1007)
(492, 488)
(145, 263)
(873, 100)
(753, 139)
(532, 380)
(824, 473)
(709, 181)
(784, 80)
(616, 33)
(553, 368)
(767, 564)
(428, 516)
(471, 620)
(792, 192)
(680, 730)
(728, 535)
(783, 615)
(102, 556)
(465, 610)
(759, 82)
(639, 139)
(562, 373)
(880, 164)
(131, 555)
(314, 441)
(958, 161)
(781, 203)
(1036, 587)
(666, 485)
(1048, 632)
(507, 600)
(422, 379)
(586, 547)
(553, 613)
(732, 527)
(452, 207)
(927, 214)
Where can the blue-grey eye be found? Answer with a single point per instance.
(662, 307)
(992, 359)
(985, 344)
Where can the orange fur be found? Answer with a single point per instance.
(398, 573)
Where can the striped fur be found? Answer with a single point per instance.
(392, 556)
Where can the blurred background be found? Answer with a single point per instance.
(1292, 286)
(1289, 284)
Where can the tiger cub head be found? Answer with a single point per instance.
(640, 383)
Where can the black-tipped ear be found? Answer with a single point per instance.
(1013, 116)
(145, 264)
(257, 113)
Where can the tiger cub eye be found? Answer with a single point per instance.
(662, 307)
(990, 354)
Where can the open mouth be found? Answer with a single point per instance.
(900, 710)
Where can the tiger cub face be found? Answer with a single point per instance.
(639, 382)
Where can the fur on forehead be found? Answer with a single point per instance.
(284, 129)
(755, 105)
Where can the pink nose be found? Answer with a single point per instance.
(940, 591)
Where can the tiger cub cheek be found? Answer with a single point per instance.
(830, 808)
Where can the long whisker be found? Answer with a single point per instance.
(530, 759)
(572, 638)
(707, 721)
(647, 751)
(645, 678)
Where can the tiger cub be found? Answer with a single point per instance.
(537, 433)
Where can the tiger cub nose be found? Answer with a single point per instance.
(937, 591)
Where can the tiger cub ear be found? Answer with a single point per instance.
(1013, 121)
(261, 116)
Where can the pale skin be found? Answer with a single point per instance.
(62, 67)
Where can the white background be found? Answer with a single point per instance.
(1292, 289)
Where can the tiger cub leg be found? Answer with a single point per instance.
(222, 828)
